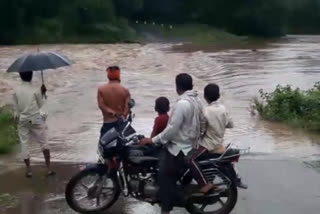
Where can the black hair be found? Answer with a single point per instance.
(112, 68)
(212, 92)
(116, 67)
(162, 105)
(26, 76)
(184, 82)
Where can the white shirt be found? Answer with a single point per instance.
(27, 101)
(218, 120)
(185, 125)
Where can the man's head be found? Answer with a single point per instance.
(211, 93)
(26, 76)
(113, 73)
(183, 83)
(162, 105)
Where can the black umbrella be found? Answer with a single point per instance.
(39, 62)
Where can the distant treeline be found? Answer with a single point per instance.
(27, 21)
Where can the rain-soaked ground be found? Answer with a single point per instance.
(279, 169)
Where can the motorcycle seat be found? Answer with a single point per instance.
(143, 159)
(229, 153)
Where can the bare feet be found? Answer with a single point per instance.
(207, 188)
(29, 174)
(50, 173)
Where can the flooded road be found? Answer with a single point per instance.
(148, 72)
(274, 187)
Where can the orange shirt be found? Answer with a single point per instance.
(113, 101)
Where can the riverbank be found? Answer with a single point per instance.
(8, 131)
(136, 33)
(188, 33)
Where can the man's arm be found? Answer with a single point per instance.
(105, 109)
(155, 128)
(39, 98)
(15, 106)
(126, 105)
(203, 121)
(230, 124)
(174, 124)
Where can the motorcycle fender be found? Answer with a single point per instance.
(99, 168)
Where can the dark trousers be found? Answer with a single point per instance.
(195, 169)
(106, 127)
(169, 174)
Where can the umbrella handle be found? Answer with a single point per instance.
(42, 78)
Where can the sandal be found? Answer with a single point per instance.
(50, 173)
(29, 174)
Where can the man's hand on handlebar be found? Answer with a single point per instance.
(145, 141)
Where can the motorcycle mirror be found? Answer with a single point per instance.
(131, 103)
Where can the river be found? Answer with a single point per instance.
(148, 71)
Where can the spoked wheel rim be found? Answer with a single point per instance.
(216, 205)
(221, 201)
(91, 193)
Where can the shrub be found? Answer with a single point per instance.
(292, 106)
(8, 131)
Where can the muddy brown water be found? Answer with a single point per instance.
(148, 71)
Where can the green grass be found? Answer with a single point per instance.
(292, 106)
(6, 200)
(8, 131)
(195, 33)
(51, 31)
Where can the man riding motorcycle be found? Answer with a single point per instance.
(183, 131)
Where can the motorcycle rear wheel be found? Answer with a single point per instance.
(76, 200)
(227, 206)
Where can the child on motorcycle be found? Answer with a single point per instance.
(218, 120)
(162, 106)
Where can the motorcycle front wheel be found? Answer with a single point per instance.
(91, 192)
(223, 203)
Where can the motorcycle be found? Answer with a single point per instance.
(126, 168)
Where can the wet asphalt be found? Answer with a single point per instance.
(279, 186)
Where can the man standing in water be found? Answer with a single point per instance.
(27, 102)
(185, 126)
(113, 100)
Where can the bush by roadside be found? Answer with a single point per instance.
(292, 106)
(8, 131)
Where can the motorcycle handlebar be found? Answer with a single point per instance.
(134, 140)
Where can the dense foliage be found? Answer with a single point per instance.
(107, 20)
(293, 106)
(8, 131)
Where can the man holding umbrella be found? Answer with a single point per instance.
(28, 101)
